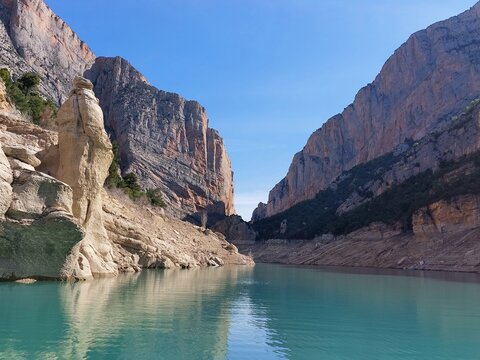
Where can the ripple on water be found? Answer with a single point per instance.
(266, 312)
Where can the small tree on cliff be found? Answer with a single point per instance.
(25, 95)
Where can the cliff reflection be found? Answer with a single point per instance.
(178, 314)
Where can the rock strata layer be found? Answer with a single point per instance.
(165, 140)
(109, 234)
(441, 240)
(33, 38)
(434, 75)
(162, 137)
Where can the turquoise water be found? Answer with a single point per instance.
(265, 312)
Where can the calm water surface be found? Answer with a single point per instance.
(265, 312)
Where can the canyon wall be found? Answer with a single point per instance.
(165, 140)
(57, 221)
(162, 137)
(434, 75)
(33, 38)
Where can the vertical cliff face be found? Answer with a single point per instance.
(164, 139)
(435, 74)
(35, 39)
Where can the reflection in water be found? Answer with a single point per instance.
(369, 316)
(266, 312)
(178, 314)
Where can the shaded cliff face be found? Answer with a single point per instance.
(164, 139)
(433, 75)
(390, 188)
(33, 38)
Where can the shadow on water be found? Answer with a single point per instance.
(266, 312)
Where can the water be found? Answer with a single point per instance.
(266, 312)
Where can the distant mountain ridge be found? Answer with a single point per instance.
(166, 141)
(434, 75)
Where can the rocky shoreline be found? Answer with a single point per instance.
(58, 221)
(436, 244)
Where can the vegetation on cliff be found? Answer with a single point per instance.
(24, 93)
(129, 182)
(395, 205)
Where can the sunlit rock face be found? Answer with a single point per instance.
(165, 140)
(38, 230)
(85, 154)
(162, 137)
(33, 38)
(435, 74)
(6, 178)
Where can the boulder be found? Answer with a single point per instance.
(22, 154)
(39, 231)
(36, 194)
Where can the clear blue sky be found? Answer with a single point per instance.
(269, 72)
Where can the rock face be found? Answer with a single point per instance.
(33, 38)
(185, 158)
(165, 140)
(37, 230)
(235, 229)
(260, 212)
(447, 216)
(41, 237)
(440, 165)
(85, 154)
(378, 248)
(6, 178)
(4, 100)
(444, 237)
(430, 77)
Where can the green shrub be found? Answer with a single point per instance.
(129, 182)
(29, 82)
(155, 197)
(25, 95)
(318, 216)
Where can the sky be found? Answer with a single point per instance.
(269, 72)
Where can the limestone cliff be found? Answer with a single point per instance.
(165, 140)
(162, 137)
(433, 75)
(74, 229)
(33, 38)
(441, 165)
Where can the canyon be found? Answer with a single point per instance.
(431, 77)
(392, 181)
(389, 182)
